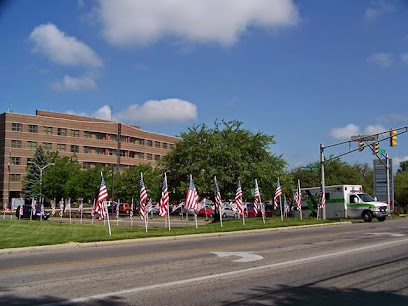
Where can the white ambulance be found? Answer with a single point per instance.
(344, 201)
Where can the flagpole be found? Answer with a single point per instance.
(107, 216)
(168, 202)
(93, 213)
(300, 196)
(260, 202)
(82, 208)
(216, 190)
(70, 220)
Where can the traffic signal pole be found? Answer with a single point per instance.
(323, 181)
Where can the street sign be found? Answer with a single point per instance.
(380, 181)
(310, 168)
(382, 151)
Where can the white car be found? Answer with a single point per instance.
(227, 212)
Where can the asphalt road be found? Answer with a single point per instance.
(350, 264)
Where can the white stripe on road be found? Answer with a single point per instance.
(220, 275)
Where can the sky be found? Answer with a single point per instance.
(305, 72)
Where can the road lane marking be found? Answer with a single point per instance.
(245, 256)
(222, 275)
(386, 234)
(113, 259)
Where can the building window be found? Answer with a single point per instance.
(74, 149)
(171, 146)
(32, 145)
(15, 160)
(47, 130)
(16, 127)
(141, 142)
(132, 154)
(122, 153)
(157, 144)
(75, 133)
(132, 139)
(112, 151)
(16, 143)
(15, 177)
(61, 147)
(86, 165)
(47, 146)
(150, 143)
(164, 145)
(62, 131)
(28, 161)
(100, 136)
(100, 151)
(140, 155)
(157, 157)
(32, 128)
(113, 137)
(149, 156)
(87, 134)
(87, 149)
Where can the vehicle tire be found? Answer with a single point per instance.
(367, 216)
(381, 219)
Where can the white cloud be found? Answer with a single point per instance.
(142, 22)
(374, 129)
(345, 132)
(396, 162)
(384, 60)
(73, 83)
(62, 49)
(168, 110)
(379, 8)
(404, 57)
(103, 113)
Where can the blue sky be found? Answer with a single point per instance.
(307, 72)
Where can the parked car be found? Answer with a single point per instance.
(124, 208)
(206, 211)
(227, 212)
(27, 213)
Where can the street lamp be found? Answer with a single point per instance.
(41, 172)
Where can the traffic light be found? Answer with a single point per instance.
(360, 145)
(393, 139)
(375, 147)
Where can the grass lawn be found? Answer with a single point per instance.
(24, 233)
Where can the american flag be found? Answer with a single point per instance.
(100, 206)
(52, 208)
(192, 196)
(322, 197)
(278, 193)
(20, 212)
(256, 198)
(298, 197)
(144, 213)
(33, 206)
(80, 206)
(67, 205)
(164, 200)
(218, 200)
(238, 199)
(42, 209)
(131, 210)
(117, 210)
(11, 207)
(61, 210)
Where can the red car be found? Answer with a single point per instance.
(250, 212)
(205, 211)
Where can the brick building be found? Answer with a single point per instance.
(94, 142)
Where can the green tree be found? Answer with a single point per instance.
(403, 166)
(228, 152)
(337, 172)
(56, 179)
(401, 188)
(31, 182)
(127, 184)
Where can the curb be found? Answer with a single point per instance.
(78, 245)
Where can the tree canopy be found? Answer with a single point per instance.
(227, 151)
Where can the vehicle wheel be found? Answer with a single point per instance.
(381, 219)
(367, 216)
